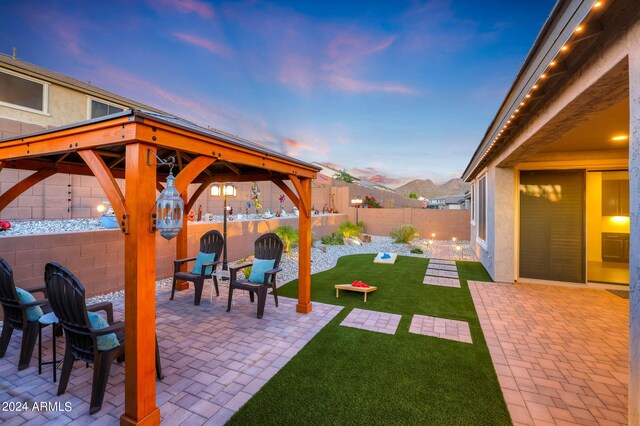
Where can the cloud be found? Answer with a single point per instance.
(307, 54)
(203, 43)
(346, 84)
(202, 9)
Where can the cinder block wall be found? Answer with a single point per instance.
(97, 257)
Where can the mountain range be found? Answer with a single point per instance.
(426, 188)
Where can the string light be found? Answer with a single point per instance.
(544, 75)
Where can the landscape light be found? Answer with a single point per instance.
(597, 4)
(620, 138)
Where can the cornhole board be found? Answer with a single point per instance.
(390, 261)
(349, 287)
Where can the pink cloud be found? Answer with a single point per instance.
(203, 43)
(346, 84)
(204, 10)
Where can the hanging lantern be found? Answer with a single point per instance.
(169, 210)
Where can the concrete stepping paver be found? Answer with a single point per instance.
(443, 266)
(381, 322)
(441, 273)
(441, 327)
(441, 281)
(442, 261)
(560, 353)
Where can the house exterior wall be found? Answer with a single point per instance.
(634, 259)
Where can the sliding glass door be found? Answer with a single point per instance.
(552, 225)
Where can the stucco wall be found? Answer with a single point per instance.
(445, 224)
(97, 257)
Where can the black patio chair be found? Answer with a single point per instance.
(268, 246)
(67, 299)
(15, 315)
(211, 242)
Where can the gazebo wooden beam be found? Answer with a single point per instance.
(285, 188)
(65, 168)
(198, 192)
(109, 186)
(12, 193)
(192, 171)
(303, 194)
(176, 139)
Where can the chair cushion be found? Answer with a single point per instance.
(260, 266)
(108, 341)
(201, 259)
(33, 313)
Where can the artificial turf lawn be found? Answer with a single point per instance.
(351, 376)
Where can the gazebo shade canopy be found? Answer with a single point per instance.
(127, 145)
(173, 136)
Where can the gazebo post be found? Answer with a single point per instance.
(139, 287)
(303, 186)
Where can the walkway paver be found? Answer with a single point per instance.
(442, 262)
(443, 266)
(381, 322)
(213, 361)
(442, 282)
(441, 273)
(441, 327)
(561, 354)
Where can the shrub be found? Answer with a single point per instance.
(404, 234)
(334, 239)
(288, 235)
(371, 202)
(349, 229)
(247, 270)
(416, 251)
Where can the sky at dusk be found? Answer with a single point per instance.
(390, 90)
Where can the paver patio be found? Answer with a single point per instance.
(381, 322)
(213, 361)
(561, 354)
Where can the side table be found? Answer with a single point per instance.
(223, 276)
(46, 320)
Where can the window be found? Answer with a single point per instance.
(473, 204)
(482, 208)
(22, 92)
(99, 109)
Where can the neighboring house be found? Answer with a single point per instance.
(556, 176)
(33, 98)
(456, 202)
(437, 203)
(330, 172)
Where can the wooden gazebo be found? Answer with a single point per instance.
(122, 146)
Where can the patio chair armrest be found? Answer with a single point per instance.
(178, 262)
(36, 303)
(41, 289)
(107, 307)
(233, 270)
(238, 267)
(206, 265)
(271, 272)
(113, 328)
